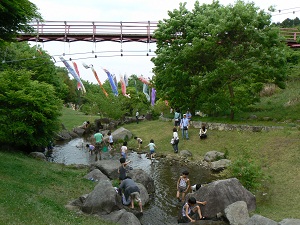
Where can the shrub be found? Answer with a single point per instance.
(248, 172)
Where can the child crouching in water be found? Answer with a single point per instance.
(190, 209)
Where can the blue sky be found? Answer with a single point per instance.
(126, 10)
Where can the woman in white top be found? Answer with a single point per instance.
(175, 140)
(202, 132)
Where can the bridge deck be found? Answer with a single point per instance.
(95, 31)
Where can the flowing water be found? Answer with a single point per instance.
(163, 207)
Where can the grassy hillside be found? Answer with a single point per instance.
(35, 192)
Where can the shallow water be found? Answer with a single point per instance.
(164, 207)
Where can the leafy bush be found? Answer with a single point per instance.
(248, 172)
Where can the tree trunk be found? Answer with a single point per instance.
(231, 101)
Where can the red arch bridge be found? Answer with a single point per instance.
(95, 31)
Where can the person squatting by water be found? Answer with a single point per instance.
(90, 148)
(183, 185)
(184, 125)
(202, 132)
(131, 189)
(139, 141)
(98, 144)
(152, 148)
(191, 210)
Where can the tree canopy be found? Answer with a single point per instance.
(15, 16)
(216, 58)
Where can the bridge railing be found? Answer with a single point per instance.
(290, 34)
(74, 28)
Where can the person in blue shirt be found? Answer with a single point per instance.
(184, 125)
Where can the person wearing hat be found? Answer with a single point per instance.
(184, 125)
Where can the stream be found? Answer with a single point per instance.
(163, 208)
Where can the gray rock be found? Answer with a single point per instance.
(140, 176)
(108, 167)
(96, 175)
(289, 222)
(237, 213)
(212, 156)
(260, 220)
(120, 134)
(220, 164)
(38, 155)
(102, 200)
(143, 194)
(129, 219)
(219, 194)
(185, 153)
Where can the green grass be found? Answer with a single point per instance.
(36, 192)
(71, 118)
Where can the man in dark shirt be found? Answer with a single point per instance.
(131, 189)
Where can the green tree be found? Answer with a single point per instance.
(21, 56)
(29, 110)
(15, 16)
(216, 58)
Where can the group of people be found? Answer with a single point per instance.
(191, 208)
(183, 124)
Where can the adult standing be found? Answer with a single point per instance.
(137, 114)
(98, 144)
(184, 125)
(175, 140)
(188, 115)
(177, 118)
(131, 189)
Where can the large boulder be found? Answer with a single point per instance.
(260, 220)
(108, 167)
(122, 217)
(102, 200)
(38, 155)
(140, 176)
(121, 134)
(143, 193)
(220, 165)
(220, 194)
(96, 175)
(237, 213)
(289, 222)
(212, 156)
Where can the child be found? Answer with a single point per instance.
(152, 147)
(91, 148)
(124, 150)
(183, 185)
(139, 141)
(110, 141)
(189, 209)
(122, 169)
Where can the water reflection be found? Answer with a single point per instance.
(164, 207)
